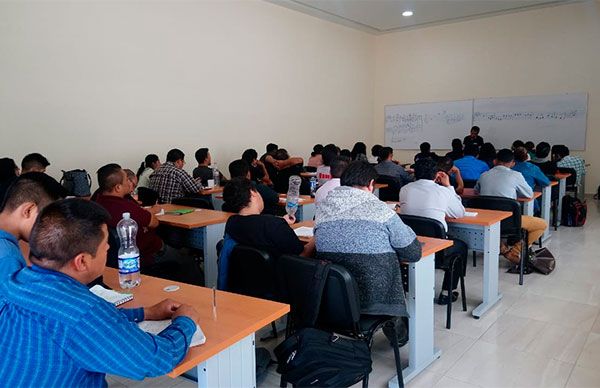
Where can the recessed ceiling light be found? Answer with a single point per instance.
(407, 13)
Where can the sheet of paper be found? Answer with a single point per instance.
(304, 231)
(471, 214)
(155, 327)
(392, 206)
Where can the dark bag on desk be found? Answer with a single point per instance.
(78, 183)
(543, 261)
(574, 211)
(312, 357)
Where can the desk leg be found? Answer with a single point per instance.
(376, 192)
(309, 211)
(217, 202)
(212, 235)
(491, 248)
(562, 191)
(528, 208)
(419, 301)
(546, 199)
(232, 367)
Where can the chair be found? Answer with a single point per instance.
(112, 257)
(510, 228)
(429, 227)
(469, 184)
(198, 202)
(340, 306)
(571, 181)
(147, 197)
(392, 192)
(251, 273)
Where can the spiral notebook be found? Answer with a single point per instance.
(155, 327)
(114, 297)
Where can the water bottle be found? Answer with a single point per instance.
(216, 175)
(313, 186)
(291, 203)
(129, 254)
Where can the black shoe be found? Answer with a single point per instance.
(444, 299)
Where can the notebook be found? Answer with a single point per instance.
(179, 212)
(304, 231)
(470, 214)
(155, 327)
(116, 298)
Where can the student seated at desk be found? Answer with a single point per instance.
(241, 169)
(387, 167)
(34, 163)
(57, 333)
(204, 172)
(542, 158)
(470, 167)
(355, 229)
(432, 196)
(316, 157)
(258, 170)
(561, 155)
(9, 171)
(446, 165)
(330, 151)
(148, 166)
(263, 231)
(171, 181)
(457, 150)
(533, 174)
(425, 152)
(286, 166)
(487, 154)
(359, 151)
(338, 166)
(501, 181)
(156, 258)
(375, 151)
(25, 198)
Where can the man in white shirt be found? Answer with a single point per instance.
(501, 181)
(433, 196)
(338, 166)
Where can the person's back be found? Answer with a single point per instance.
(565, 160)
(170, 181)
(355, 229)
(533, 174)
(387, 167)
(338, 166)
(501, 181)
(470, 167)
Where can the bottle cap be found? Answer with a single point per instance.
(126, 216)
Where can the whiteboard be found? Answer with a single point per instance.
(408, 125)
(557, 119)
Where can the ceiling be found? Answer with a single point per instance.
(381, 16)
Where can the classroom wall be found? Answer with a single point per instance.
(88, 83)
(544, 51)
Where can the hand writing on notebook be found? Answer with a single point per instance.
(185, 310)
(162, 310)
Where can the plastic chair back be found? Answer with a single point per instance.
(147, 197)
(392, 192)
(508, 227)
(251, 272)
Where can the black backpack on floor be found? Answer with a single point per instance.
(574, 211)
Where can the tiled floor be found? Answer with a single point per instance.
(545, 333)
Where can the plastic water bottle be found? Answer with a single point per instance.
(129, 254)
(293, 194)
(216, 175)
(313, 186)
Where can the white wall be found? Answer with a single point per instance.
(544, 51)
(95, 82)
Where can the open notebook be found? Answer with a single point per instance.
(114, 297)
(304, 231)
(155, 327)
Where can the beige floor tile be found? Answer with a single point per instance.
(584, 378)
(569, 290)
(558, 342)
(590, 355)
(515, 332)
(596, 327)
(448, 382)
(182, 382)
(552, 310)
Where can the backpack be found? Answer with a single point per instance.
(312, 357)
(78, 183)
(574, 211)
(543, 261)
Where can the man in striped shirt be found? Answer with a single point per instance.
(56, 333)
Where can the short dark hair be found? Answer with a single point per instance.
(239, 168)
(346, 152)
(376, 150)
(505, 156)
(109, 176)
(8, 169)
(281, 154)
(517, 143)
(35, 187)
(34, 160)
(521, 154)
(457, 145)
(529, 145)
(236, 194)
(425, 168)
(271, 147)
(201, 155)
(471, 150)
(250, 155)
(487, 152)
(425, 147)
(359, 173)
(542, 150)
(64, 229)
(385, 152)
(317, 149)
(329, 152)
(175, 155)
(475, 128)
(445, 164)
(339, 164)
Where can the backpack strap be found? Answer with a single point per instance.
(314, 294)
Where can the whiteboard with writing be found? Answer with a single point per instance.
(408, 125)
(557, 119)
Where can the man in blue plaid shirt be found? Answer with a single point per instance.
(564, 159)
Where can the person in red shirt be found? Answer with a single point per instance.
(156, 258)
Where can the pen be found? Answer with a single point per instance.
(214, 303)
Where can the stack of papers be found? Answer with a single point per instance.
(155, 327)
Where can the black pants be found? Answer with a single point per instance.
(459, 248)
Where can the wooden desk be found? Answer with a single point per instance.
(526, 203)
(215, 193)
(308, 174)
(227, 357)
(419, 302)
(213, 190)
(201, 229)
(306, 207)
(562, 191)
